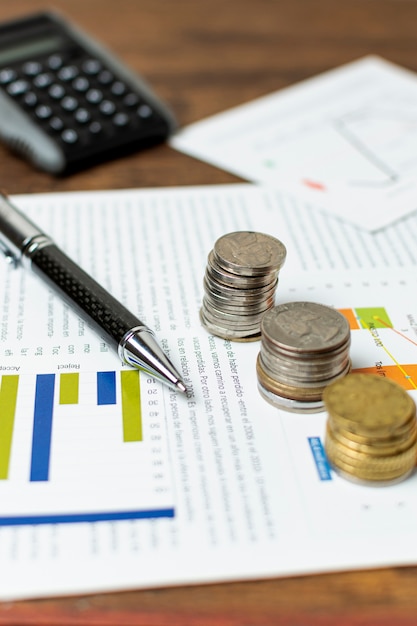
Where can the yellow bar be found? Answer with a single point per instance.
(68, 388)
(8, 399)
(131, 409)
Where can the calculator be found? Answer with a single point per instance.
(66, 102)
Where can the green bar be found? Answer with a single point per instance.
(8, 398)
(68, 388)
(131, 409)
(373, 317)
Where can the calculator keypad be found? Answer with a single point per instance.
(76, 99)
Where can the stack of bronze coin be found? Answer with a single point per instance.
(240, 284)
(371, 434)
(304, 347)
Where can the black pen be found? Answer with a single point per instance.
(23, 243)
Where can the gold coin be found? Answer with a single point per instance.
(372, 446)
(379, 470)
(361, 458)
(311, 394)
(368, 403)
(370, 478)
(399, 436)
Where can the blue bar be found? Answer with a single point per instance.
(106, 388)
(71, 518)
(320, 458)
(42, 427)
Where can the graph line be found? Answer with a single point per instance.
(378, 319)
(391, 356)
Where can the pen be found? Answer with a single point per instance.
(24, 244)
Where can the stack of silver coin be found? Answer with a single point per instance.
(304, 347)
(240, 284)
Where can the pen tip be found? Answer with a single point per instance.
(180, 385)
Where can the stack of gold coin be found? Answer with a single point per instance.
(240, 284)
(371, 434)
(304, 347)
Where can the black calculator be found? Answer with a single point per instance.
(66, 102)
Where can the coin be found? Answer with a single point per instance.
(219, 331)
(243, 308)
(287, 391)
(371, 468)
(224, 277)
(370, 446)
(238, 292)
(305, 327)
(304, 348)
(368, 404)
(249, 253)
(239, 283)
(371, 430)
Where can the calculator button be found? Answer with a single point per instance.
(95, 128)
(69, 135)
(91, 66)
(107, 107)
(56, 91)
(94, 96)
(131, 99)
(43, 80)
(7, 75)
(69, 103)
(121, 119)
(18, 87)
(68, 72)
(118, 88)
(32, 68)
(105, 77)
(144, 111)
(30, 99)
(43, 111)
(56, 123)
(55, 61)
(81, 84)
(82, 116)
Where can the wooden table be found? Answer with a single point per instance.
(202, 58)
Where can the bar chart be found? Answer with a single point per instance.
(66, 436)
(393, 360)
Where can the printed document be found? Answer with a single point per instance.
(346, 141)
(111, 480)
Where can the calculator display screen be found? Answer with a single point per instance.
(31, 48)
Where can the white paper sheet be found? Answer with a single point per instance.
(345, 140)
(250, 497)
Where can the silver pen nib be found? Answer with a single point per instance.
(140, 349)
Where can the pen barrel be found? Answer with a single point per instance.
(93, 303)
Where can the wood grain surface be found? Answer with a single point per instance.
(203, 57)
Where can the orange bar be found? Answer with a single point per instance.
(351, 318)
(405, 375)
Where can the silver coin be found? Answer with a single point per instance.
(249, 253)
(225, 333)
(302, 371)
(305, 327)
(243, 281)
(304, 348)
(232, 321)
(238, 292)
(240, 283)
(229, 306)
